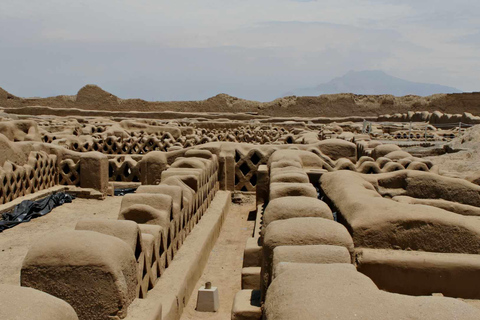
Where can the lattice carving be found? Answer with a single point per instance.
(246, 167)
(69, 172)
(38, 173)
(123, 169)
(131, 145)
(141, 143)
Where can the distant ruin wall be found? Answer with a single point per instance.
(336, 105)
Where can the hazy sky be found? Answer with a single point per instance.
(255, 49)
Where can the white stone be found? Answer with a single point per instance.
(208, 300)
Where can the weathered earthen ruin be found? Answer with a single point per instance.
(372, 214)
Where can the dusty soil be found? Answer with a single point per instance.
(459, 165)
(473, 303)
(15, 242)
(224, 267)
(464, 164)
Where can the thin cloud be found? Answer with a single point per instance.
(252, 49)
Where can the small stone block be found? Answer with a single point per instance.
(246, 305)
(251, 278)
(208, 300)
(252, 256)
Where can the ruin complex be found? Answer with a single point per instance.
(367, 207)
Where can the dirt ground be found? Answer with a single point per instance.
(224, 267)
(15, 242)
(464, 164)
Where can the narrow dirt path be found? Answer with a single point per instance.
(224, 267)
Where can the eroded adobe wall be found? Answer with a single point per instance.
(92, 97)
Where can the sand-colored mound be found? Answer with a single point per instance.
(464, 163)
(20, 130)
(92, 94)
(470, 139)
(92, 97)
(4, 95)
(11, 152)
(27, 303)
(375, 221)
(338, 291)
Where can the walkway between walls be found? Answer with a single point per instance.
(224, 266)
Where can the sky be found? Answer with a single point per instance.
(253, 49)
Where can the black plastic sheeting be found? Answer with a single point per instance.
(27, 209)
(122, 192)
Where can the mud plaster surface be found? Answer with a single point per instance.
(224, 266)
(15, 242)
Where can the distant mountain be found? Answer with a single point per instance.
(374, 82)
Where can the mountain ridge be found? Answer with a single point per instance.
(373, 82)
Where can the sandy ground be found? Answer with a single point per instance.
(15, 242)
(224, 266)
(462, 164)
